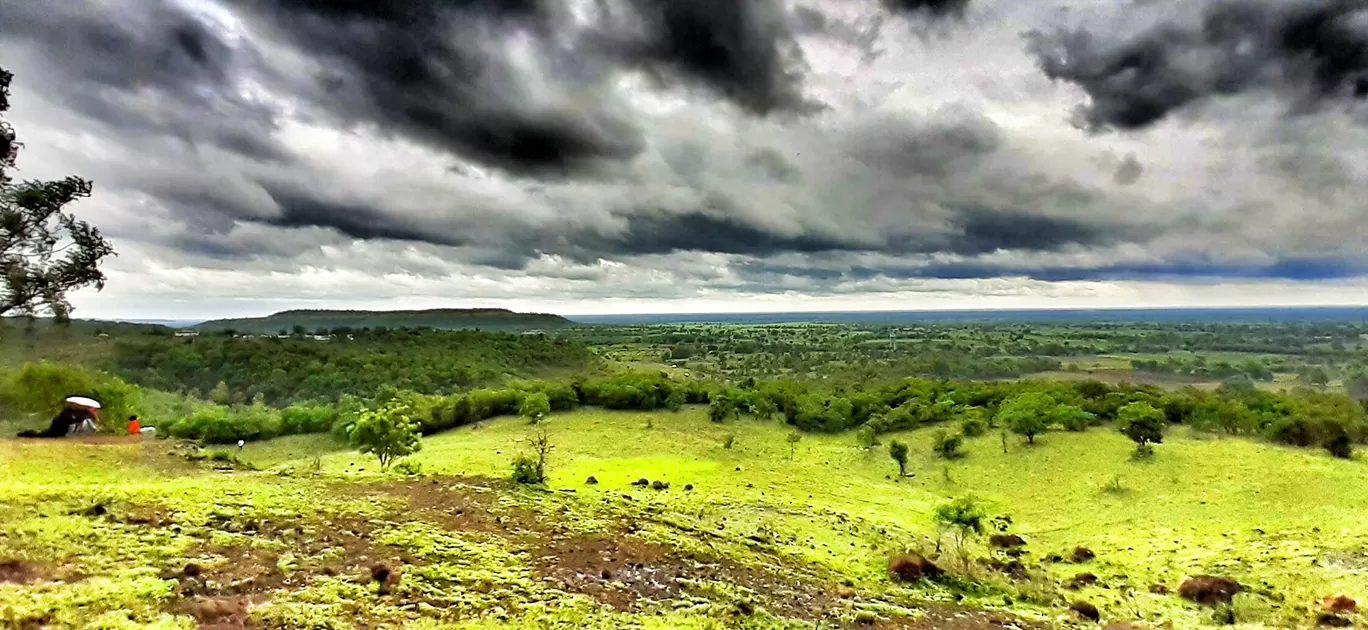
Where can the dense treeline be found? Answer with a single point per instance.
(1300, 418)
(281, 371)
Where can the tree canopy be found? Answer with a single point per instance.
(45, 252)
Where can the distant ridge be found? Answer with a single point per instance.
(494, 319)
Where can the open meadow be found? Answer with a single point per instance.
(753, 530)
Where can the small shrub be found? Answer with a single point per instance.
(793, 439)
(973, 426)
(948, 445)
(1336, 440)
(408, 467)
(898, 451)
(526, 471)
(728, 441)
(1115, 486)
(867, 437)
(531, 469)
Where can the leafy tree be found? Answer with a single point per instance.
(45, 252)
(898, 451)
(389, 433)
(962, 518)
(535, 406)
(1027, 414)
(1143, 424)
(948, 445)
(1073, 417)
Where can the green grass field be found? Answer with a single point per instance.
(768, 536)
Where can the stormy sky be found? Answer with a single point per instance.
(598, 156)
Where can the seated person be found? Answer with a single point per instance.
(70, 417)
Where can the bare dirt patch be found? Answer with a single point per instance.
(17, 572)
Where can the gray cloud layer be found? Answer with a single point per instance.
(1167, 56)
(729, 144)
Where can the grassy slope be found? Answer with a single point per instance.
(1193, 509)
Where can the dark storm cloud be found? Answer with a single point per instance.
(1311, 51)
(438, 71)
(932, 7)
(700, 232)
(145, 68)
(356, 220)
(742, 50)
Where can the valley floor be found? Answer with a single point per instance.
(758, 534)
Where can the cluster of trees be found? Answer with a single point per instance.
(282, 371)
(1199, 367)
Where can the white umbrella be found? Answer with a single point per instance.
(84, 402)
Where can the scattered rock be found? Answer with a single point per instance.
(1086, 611)
(1081, 580)
(913, 567)
(606, 575)
(1083, 554)
(1209, 589)
(1006, 541)
(191, 570)
(744, 608)
(1340, 604)
(379, 572)
(641, 483)
(1122, 625)
(1011, 568)
(688, 487)
(738, 469)
(1331, 620)
(591, 481)
(660, 485)
(866, 618)
(1159, 589)
(845, 592)
(1054, 557)
(218, 611)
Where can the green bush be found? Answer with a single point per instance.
(302, 418)
(217, 424)
(973, 425)
(527, 472)
(41, 388)
(948, 445)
